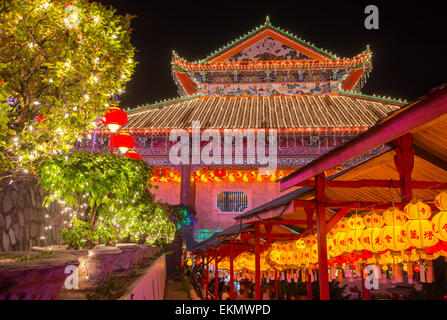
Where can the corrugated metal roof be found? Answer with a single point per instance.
(214, 239)
(303, 111)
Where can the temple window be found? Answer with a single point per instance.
(232, 201)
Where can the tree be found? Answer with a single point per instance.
(107, 197)
(60, 68)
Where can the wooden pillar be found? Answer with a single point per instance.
(185, 185)
(404, 161)
(202, 282)
(365, 292)
(257, 263)
(207, 275)
(231, 270)
(309, 213)
(323, 277)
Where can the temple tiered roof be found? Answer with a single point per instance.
(307, 112)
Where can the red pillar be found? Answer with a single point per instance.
(309, 213)
(216, 277)
(231, 270)
(207, 274)
(323, 277)
(404, 161)
(257, 263)
(365, 292)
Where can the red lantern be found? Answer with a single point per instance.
(417, 268)
(220, 173)
(114, 118)
(132, 155)
(124, 142)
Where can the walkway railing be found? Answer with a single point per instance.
(152, 285)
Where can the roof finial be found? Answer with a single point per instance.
(267, 20)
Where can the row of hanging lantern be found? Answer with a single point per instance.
(220, 175)
(407, 241)
(401, 239)
(114, 119)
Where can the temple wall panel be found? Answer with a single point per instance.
(168, 193)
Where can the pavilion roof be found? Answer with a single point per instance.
(305, 112)
(425, 118)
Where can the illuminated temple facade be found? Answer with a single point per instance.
(267, 79)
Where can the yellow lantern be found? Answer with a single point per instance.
(340, 235)
(314, 254)
(440, 223)
(332, 248)
(296, 258)
(417, 210)
(354, 235)
(371, 235)
(419, 231)
(189, 263)
(393, 234)
(441, 201)
(300, 244)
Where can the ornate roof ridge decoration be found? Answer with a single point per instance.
(163, 103)
(268, 25)
(373, 97)
(358, 61)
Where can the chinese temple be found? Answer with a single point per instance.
(267, 79)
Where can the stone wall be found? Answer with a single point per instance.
(22, 216)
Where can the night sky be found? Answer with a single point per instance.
(409, 49)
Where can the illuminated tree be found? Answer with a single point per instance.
(61, 66)
(105, 198)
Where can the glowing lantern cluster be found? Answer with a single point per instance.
(114, 119)
(403, 241)
(246, 176)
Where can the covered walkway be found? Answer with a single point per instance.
(412, 167)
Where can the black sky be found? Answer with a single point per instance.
(409, 49)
